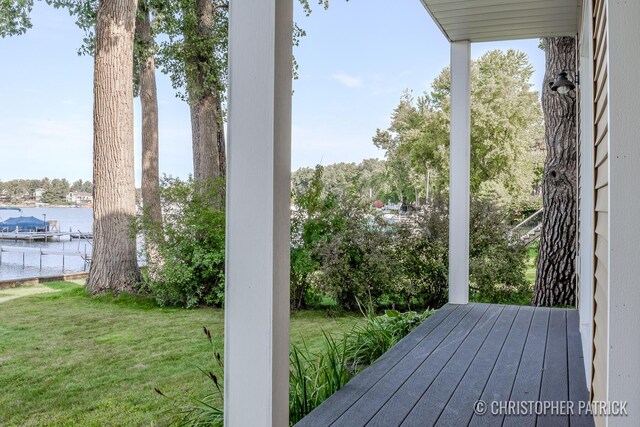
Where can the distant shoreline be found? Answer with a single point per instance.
(46, 206)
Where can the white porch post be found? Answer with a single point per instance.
(258, 205)
(460, 165)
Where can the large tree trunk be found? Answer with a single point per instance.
(209, 161)
(114, 265)
(556, 272)
(150, 167)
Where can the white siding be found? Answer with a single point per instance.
(623, 177)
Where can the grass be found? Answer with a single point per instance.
(531, 263)
(66, 359)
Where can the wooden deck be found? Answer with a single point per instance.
(461, 355)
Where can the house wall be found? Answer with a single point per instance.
(600, 89)
(623, 36)
(610, 167)
(586, 184)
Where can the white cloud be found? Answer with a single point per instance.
(347, 80)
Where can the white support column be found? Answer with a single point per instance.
(460, 166)
(623, 34)
(258, 211)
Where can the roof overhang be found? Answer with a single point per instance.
(493, 20)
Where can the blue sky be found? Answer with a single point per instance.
(355, 62)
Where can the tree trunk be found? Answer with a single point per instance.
(209, 160)
(114, 264)
(150, 163)
(556, 272)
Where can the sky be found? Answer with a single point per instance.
(355, 62)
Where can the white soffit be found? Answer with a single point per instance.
(493, 20)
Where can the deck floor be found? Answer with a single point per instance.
(463, 354)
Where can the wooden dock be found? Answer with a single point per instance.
(41, 236)
(42, 252)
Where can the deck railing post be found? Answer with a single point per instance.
(459, 186)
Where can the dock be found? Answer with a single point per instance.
(42, 252)
(44, 236)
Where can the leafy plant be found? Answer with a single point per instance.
(370, 341)
(316, 376)
(191, 242)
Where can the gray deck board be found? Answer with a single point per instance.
(555, 375)
(578, 391)
(529, 378)
(459, 410)
(443, 338)
(337, 404)
(402, 402)
(441, 389)
(462, 354)
(500, 384)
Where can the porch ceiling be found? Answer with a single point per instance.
(493, 20)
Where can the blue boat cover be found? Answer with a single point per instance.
(24, 223)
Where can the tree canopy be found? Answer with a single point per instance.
(507, 151)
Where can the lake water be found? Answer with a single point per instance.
(68, 219)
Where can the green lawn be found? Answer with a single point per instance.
(66, 359)
(531, 263)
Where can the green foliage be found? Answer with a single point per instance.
(507, 151)
(316, 376)
(323, 219)
(356, 263)
(422, 255)
(368, 342)
(56, 192)
(14, 17)
(190, 242)
(80, 185)
(497, 265)
(85, 12)
(205, 411)
(366, 180)
(53, 190)
(337, 247)
(341, 248)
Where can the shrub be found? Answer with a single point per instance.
(497, 265)
(356, 265)
(190, 243)
(338, 248)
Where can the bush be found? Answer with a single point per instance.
(356, 264)
(338, 248)
(497, 265)
(190, 243)
(344, 250)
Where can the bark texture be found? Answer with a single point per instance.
(150, 141)
(556, 270)
(114, 265)
(209, 159)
